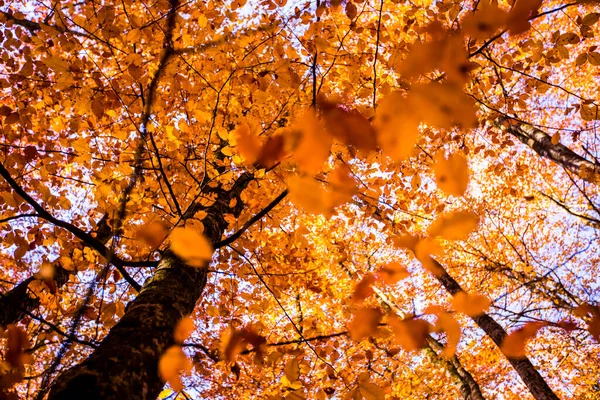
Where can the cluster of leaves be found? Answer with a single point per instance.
(415, 141)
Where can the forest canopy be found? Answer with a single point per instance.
(323, 199)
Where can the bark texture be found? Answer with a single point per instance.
(125, 365)
(541, 143)
(469, 388)
(526, 370)
(16, 304)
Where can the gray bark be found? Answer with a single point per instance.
(540, 142)
(526, 370)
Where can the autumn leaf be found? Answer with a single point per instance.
(452, 173)
(412, 333)
(369, 391)
(514, 344)
(153, 233)
(291, 374)
(364, 323)
(456, 225)
(392, 273)
(342, 186)
(172, 364)
(248, 144)
(519, 15)
(447, 323)
(424, 250)
(183, 329)
(471, 304)
(190, 246)
(235, 341)
(348, 126)
(485, 21)
(591, 314)
(351, 10)
(307, 193)
(309, 142)
(397, 126)
(363, 289)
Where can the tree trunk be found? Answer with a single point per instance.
(541, 143)
(526, 370)
(125, 365)
(16, 304)
(469, 387)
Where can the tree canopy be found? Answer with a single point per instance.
(323, 199)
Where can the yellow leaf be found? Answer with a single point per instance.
(470, 304)
(192, 247)
(555, 138)
(452, 174)
(292, 370)
(370, 391)
(455, 225)
(171, 364)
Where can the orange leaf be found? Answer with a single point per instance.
(348, 126)
(411, 334)
(236, 341)
(183, 329)
(514, 344)
(271, 152)
(363, 289)
(392, 273)
(153, 233)
(248, 144)
(193, 248)
(364, 323)
(456, 225)
(310, 143)
(452, 174)
(470, 304)
(309, 194)
(170, 366)
(447, 323)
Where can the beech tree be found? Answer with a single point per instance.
(355, 199)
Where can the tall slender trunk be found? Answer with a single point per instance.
(16, 304)
(469, 387)
(125, 365)
(541, 143)
(526, 370)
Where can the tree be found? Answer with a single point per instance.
(358, 199)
